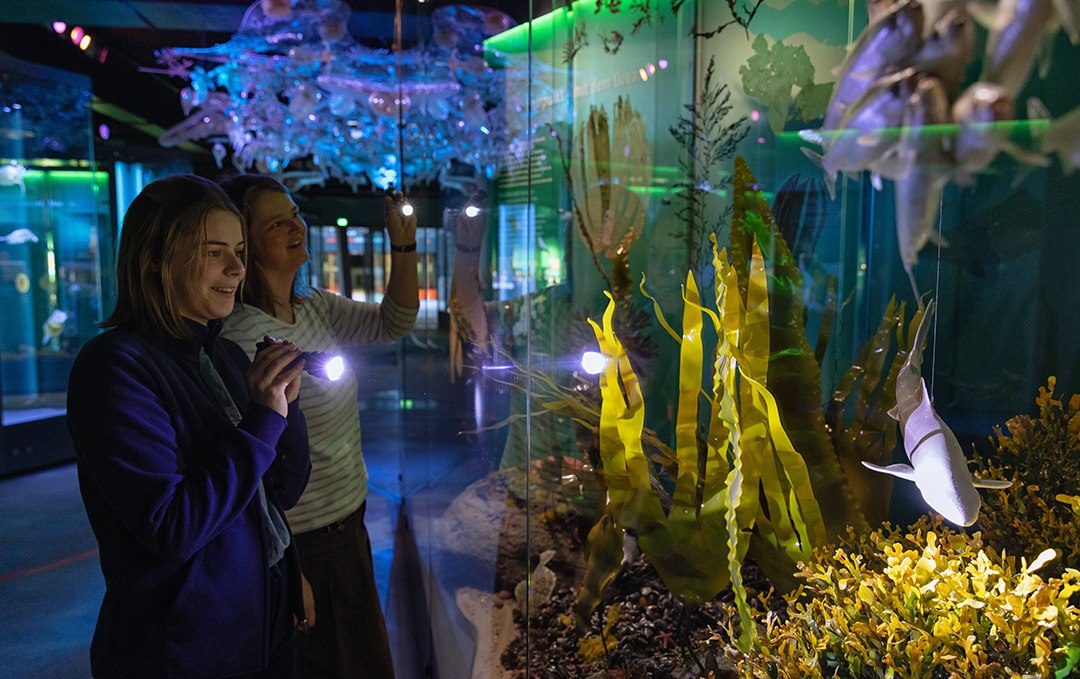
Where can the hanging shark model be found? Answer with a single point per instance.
(938, 466)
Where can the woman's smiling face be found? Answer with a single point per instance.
(278, 233)
(209, 291)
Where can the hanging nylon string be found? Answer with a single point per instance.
(937, 294)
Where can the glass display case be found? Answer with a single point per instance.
(672, 161)
(55, 234)
(727, 287)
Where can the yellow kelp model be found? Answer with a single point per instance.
(746, 487)
(749, 455)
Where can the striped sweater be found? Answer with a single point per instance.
(326, 322)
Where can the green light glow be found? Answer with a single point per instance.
(545, 29)
(1030, 128)
(73, 175)
(342, 221)
(46, 162)
(62, 175)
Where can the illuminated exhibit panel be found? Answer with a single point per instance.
(54, 238)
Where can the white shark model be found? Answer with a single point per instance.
(938, 466)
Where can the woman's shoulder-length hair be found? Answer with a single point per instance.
(160, 243)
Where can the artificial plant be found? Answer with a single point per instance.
(766, 434)
(716, 502)
(921, 602)
(1041, 456)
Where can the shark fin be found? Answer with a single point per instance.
(1046, 52)
(902, 471)
(990, 483)
(1023, 155)
(985, 14)
(1069, 18)
(1036, 110)
(937, 239)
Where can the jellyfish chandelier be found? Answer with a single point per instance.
(292, 89)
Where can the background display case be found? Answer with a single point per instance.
(55, 236)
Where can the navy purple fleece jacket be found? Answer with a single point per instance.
(170, 488)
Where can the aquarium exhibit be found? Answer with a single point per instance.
(762, 319)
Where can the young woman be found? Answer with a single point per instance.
(188, 454)
(348, 638)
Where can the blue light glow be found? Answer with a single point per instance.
(285, 87)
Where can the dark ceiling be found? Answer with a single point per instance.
(136, 104)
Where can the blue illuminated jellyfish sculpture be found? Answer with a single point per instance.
(293, 88)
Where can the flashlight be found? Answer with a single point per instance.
(321, 364)
(406, 208)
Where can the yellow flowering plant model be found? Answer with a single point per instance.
(1041, 456)
(925, 602)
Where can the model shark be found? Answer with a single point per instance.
(938, 466)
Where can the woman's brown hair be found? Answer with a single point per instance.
(243, 189)
(159, 249)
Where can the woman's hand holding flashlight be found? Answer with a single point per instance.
(400, 222)
(273, 379)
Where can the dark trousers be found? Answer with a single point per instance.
(282, 629)
(349, 638)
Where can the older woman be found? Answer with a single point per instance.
(188, 454)
(348, 638)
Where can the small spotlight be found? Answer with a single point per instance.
(407, 209)
(103, 131)
(321, 364)
(59, 27)
(471, 210)
(643, 73)
(77, 34)
(84, 43)
(593, 362)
